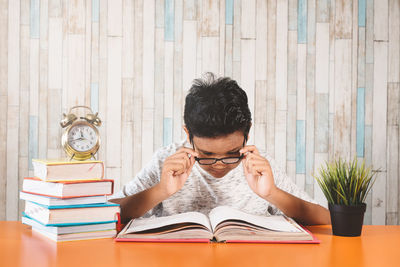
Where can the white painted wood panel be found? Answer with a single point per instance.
(3, 154)
(147, 134)
(189, 54)
(301, 81)
(369, 85)
(210, 19)
(271, 76)
(43, 78)
(281, 55)
(392, 184)
(55, 53)
(222, 11)
(34, 77)
(342, 118)
(261, 40)
(247, 75)
(210, 54)
(343, 19)
(128, 17)
(168, 80)
(114, 91)
(248, 19)
(12, 211)
(280, 138)
(369, 32)
(54, 130)
(114, 17)
(379, 131)
(148, 54)
(75, 14)
(292, 63)
(381, 20)
(138, 83)
(76, 70)
(88, 54)
(159, 88)
(361, 58)
(236, 41)
(394, 41)
(190, 8)
(260, 114)
(354, 87)
(322, 58)
(177, 123)
(291, 129)
(13, 52)
(228, 50)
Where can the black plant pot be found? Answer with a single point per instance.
(347, 220)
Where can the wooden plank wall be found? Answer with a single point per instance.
(322, 77)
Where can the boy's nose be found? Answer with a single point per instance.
(219, 165)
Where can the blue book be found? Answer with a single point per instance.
(55, 201)
(26, 219)
(72, 214)
(107, 204)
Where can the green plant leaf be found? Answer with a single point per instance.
(345, 183)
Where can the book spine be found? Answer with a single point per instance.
(65, 197)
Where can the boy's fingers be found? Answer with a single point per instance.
(174, 165)
(256, 164)
(249, 149)
(188, 151)
(182, 156)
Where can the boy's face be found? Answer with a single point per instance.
(219, 147)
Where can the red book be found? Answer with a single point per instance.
(68, 189)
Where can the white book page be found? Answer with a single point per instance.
(276, 223)
(142, 224)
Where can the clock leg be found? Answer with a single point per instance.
(73, 155)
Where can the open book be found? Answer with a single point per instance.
(223, 224)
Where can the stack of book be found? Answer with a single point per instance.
(67, 200)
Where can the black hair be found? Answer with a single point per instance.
(216, 107)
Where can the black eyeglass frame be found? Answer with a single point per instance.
(238, 159)
(221, 159)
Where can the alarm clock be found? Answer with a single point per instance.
(81, 138)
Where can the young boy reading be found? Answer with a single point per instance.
(215, 166)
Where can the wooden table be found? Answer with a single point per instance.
(378, 246)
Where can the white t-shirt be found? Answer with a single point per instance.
(202, 192)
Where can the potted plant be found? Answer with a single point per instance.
(345, 186)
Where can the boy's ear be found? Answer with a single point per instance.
(187, 133)
(247, 137)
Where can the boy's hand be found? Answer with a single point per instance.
(176, 170)
(258, 172)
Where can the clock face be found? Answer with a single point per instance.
(82, 137)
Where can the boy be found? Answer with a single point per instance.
(214, 166)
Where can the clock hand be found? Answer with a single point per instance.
(79, 139)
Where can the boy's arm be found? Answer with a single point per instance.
(259, 176)
(302, 211)
(135, 206)
(175, 171)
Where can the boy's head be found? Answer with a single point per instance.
(216, 107)
(217, 121)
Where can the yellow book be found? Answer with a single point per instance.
(55, 170)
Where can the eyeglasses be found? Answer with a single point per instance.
(211, 161)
